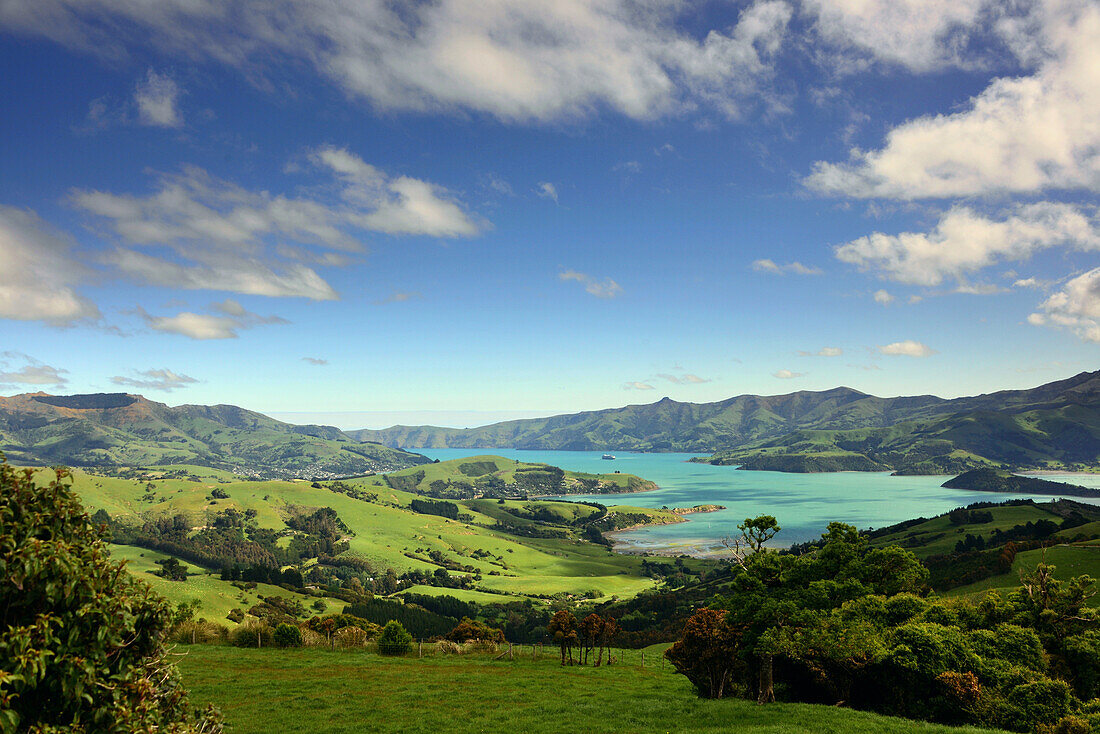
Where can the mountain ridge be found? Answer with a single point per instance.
(753, 423)
(123, 429)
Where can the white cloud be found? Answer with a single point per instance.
(787, 374)
(316, 361)
(221, 233)
(30, 372)
(157, 99)
(155, 379)
(830, 352)
(770, 266)
(964, 241)
(1028, 283)
(606, 288)
(907, 348)
(514, 60)
(229, 318)
(921, 35)
(637, 386)
(883, 297)
(1025, 135)
(547, 190)
(38, 273)
(1076, 307)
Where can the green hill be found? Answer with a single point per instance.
(995, 480)
(1056, 425)
(493, 539)
(116, 429)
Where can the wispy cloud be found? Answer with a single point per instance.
(606, 288)
(399, 297)
(794, 268)
(39, 275)
(547, 190)
(787, 374)
(685, 379)
(883, 297)
(823, 352)
(157, 99)
(315, 361)
(155, 379)
(907, 348)
(17, 368)
(228, 318)
(637, 386)
(573, 58)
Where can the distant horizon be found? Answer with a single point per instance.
(350, 420)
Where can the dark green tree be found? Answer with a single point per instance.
(394, 640)
(81, 641)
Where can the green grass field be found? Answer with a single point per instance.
(938, 535)
(216, 597)
(325, 692)
(385, 533)
(1068, 561)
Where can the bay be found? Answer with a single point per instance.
(804, 504)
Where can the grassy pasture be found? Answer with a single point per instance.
(1068, 561)
(938, 535)
(327, 692)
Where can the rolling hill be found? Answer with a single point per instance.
(118, 429)
(1056, 425)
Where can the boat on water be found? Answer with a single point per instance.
(609, 457)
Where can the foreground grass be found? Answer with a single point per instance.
(352, 691)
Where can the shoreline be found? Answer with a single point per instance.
(620, 546)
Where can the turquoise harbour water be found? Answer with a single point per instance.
(804, 504)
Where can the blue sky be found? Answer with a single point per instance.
(458, 212)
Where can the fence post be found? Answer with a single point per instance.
(420, 647)
(643, 658)
(192, 635)
(258, 642)
(510, 655)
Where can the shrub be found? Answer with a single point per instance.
(235, 615)
(394, 640)
(81, 641)
(200, 632)
(287, 635)
(350, 637)
(252, 634)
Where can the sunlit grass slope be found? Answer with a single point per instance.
(341, 692)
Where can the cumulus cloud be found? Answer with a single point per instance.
(229, 317)
(787, 374)
(1076, 307)
(157, 98)
(823, 352)
(22, 369)
(907, 348)
(315, 361)
(547, 190)
(155, 379)
(637, 386)
(796, 268)
(883, 297)
(964, 241)
(39, 275)
(515, 60)
(1022, 134)
(219, 233)
(606, 288)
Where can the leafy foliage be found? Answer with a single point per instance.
(394, 640)
(81, 642)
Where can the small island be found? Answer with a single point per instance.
(997, 480)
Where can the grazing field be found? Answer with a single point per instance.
(1068, 561)
(938, 535)
(324, 692)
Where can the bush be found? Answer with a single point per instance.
(394, 640)
(252, 634)
(200, 633)
(287, 635)
(350, 637)
(81, 641)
